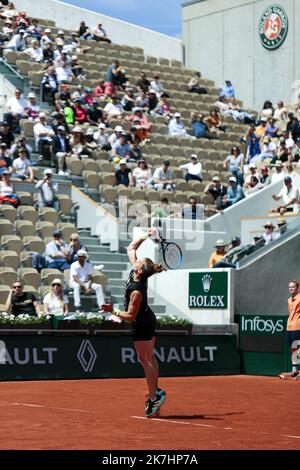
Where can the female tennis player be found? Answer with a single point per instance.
(143, 320)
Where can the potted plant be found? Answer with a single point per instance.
(170, 325)
(91, 322)
(24, 322)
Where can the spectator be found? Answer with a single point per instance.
(77, 70)
(20, 302)
(64, 73)
(214, 122)
(6, 135)
(101, 137)
(289, 171)
(267, 110)
(156, 85)
(99, 34)
(121, 149)
(142, 127)
(233, 251)
(128, 99)
(282, 152)
(272, 129)
(193, 211)
(253, 148)
(194, 85)
(99, 91)
(57, 253)
(163, 177)
(235, 163)
(80, 112)
(217, 255)
(261, 130)
(35, 52)
(47, 191)
(280, 112)
(124, 174)
(152, 100)
(135, 150)
(142, 174)
(268, 149)
(254, 185)
(48, 53)
(15, 110)
(114, 109)
(199, 127)
(81, 278)
(84, 31)
(49, 85)
(22, 167)
(234, 193)
(32, 109)
(116, 135)
(282, 226)
(264, 177)
(74, 246)
(193, 169)
(143, 83)
(21, 142)
(177, 127)
(217, 190)
(163, 210)
(279, 174)
(252, 172)
(227, 90)
(269, 235)
(142, 100)
(289, 196)
(5, 160)
(7, 191)
(78, 143)
(17, 42)
(56, 303)
(112, 72)
(43, 134)
(162, 108)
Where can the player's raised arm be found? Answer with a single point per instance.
(135, 244)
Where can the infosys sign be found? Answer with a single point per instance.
(262, 325)
(208, 290)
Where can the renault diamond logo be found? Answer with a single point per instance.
(206, 282)
(87, 355)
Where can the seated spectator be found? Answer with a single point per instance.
(33, 108)
(9, 11)
(48, 53)
(254, 186)
(141, 125)
(124, 174)
(261, 130)
(43, 134)
(99, 34)
(6, 135)
(289, 171)
(177, 127)
(21, 142)
(235, 163)
(162, 108)
(47, 191)
(193, 169)
(289, 195)
(272, 129)
(267, 110)
(77, 70)
(142, 174)
(84, 31)
(217, 190)
(282, 152)
(264, 177)
(199, 127)
(80, 111)
(128, 99)
(99, 91)
(279, 174)
(64, 73)
(269, 236)
(234, 193)
(35, 52)
(282, 226)
(49, 85)
(227, 90)
(135, 150)
(232, 256)
(20, 302)
(113, 72)
(101, 137)
(217, 255)
(121, 149)
(230, 107)
(268, 149)
(57, 253)
(163, 177)
(81, 279)
(7, 191)
(15, 110)
(116, 135)
(152, 100)
(60, 150)
(74, 246)
(114, 109)
(280, 112)
(156, 85)
(78, 143)
(5, 160)
(17, 42)
(56, 303)
(142, 101)
(194, 211)
(194, 85)
(143, 83)
(252, 172)
(22, 167)
(214, 122)
(253, 148)
(163, 210)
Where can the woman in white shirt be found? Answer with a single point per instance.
(56, 302)
(193, 169)
(142, 174)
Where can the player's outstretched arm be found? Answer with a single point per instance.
(135, 244)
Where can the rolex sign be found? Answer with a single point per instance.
(208, 290)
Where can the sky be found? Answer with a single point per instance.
(163, 16)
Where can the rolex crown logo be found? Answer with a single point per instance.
(206, 282)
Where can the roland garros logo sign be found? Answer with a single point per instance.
(273, 27)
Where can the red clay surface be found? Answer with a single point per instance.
(222, 412)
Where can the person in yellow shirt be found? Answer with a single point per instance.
(293, 330)
(217, 255)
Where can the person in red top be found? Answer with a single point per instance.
(80, 111)
(293, 330)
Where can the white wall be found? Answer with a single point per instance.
(172, 287)
(7, 90)
(68, 17)
(222, 40)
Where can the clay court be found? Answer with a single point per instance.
(221, 412)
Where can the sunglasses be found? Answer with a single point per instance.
(17, 287)
(74, 239)
(56, 284)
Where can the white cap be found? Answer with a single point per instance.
(177, 115)
(123, 162)
(47, 30)
(82, 253)
(220, 242)
(119, 129)
(102, 125)
(57, 281)
(74, 57)
(22, 31)
(252, 165)
(233, 179)
(194, 156)
(31, 95)
(60, 32)
(48, 171)
(152, 91)
(42, 115)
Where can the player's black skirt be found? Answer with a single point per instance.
(144, 330)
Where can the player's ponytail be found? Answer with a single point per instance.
(150, 268)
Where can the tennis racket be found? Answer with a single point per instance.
(172, 254)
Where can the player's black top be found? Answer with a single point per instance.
(143, 327)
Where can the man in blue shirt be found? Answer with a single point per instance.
(227, 90)
(235, 193)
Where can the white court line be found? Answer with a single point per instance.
(294, 437)
(175, 422)
(51, 407)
